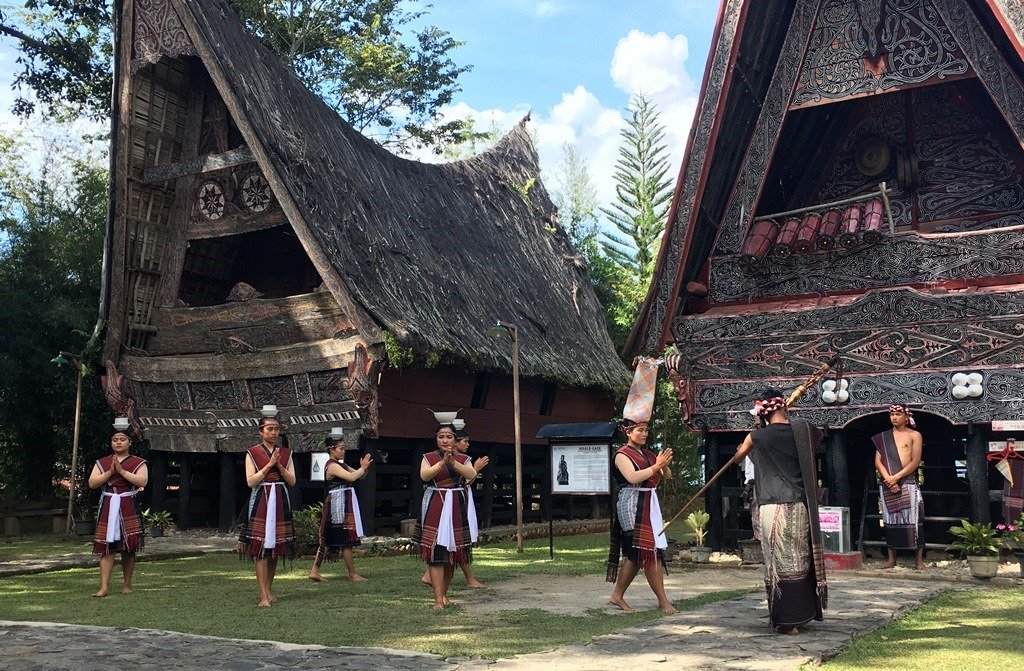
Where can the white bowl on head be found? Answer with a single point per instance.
(269, 410)
(458, 424)
(446, 417)
(337, 432)
(121, 423)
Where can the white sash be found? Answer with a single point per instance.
(445, 528)
(474, 528)
(114, 524)
(657, 523)
(337, 504)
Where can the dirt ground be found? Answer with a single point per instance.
(574, 595)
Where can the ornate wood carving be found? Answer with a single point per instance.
(159, 395)
(122, 394)
(665, 290)
(877, 333)
(362, 384)
(157, 33)
(1012, 12)
(1004, 87)
(330, 386)
(184, 396)
(918, 48)
(766, 133)
(278, 390)
(213, 395)
(899, 260)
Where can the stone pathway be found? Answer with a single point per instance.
(730, 635)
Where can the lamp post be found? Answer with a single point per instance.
(62, 358)
(500, 328)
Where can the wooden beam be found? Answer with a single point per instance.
(199, 165)
(235, 225)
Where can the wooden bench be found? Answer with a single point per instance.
(12, 519)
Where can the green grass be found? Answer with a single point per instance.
(216, 594)
(979, 629)
(41, 545)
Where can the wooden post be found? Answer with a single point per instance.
(185, 491)
(519, 446)
(228, 478)
(977, 475)
(489, 475)
(837, 468)
(415, 483)
(70, 525)
(158, 479)
(713, 497)
(545, 488)
(366, 489)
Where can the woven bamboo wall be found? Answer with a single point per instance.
(156, 136)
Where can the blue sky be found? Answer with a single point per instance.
(574, 63)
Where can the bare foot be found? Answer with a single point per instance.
(789, 631)
(355, 577)
(126, 590)
(425, 579)
(619, 602)
(919, 566)
(273, 599)
(263, 604)
(316, 577)
(889, 564)
(100, 594)
(447, 601)
(476, 584)
(668, 609)
(438, 606)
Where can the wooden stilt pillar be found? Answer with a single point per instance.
(838, 482)
(977, 475)
(713, 497)
(185, 491)
(366, 489)
(157, 462)
(228, 479)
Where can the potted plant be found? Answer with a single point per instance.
(1012, 536)
(698, 523)
(157, 521)
(981, 545)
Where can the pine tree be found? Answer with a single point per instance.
(576, 199)
(643, 190)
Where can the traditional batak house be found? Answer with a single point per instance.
(853, 187)
(261, 251)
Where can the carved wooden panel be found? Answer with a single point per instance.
(278, 391)
(915, 48)
(899, 260)
(665, 289)
(330, 386)
(213, 395)
(158, 395)
(157, 32)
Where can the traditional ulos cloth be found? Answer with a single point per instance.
(1013, 494)
(341, 523)
(794, 575)
(443, 533)
(119, 526)
(268, 530)
(903, 511)
(637, 520)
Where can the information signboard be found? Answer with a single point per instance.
(580, 468)
(318, 464)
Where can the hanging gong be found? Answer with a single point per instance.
(872, 156)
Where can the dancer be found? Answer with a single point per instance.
(341, 525)
(268, 533)
(898, 453)
(443, 532)
(119, 528)
(783, 456)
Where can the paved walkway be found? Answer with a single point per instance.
(730, 635)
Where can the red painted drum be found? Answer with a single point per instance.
(787, 236)
(759, 242)
(850, 226)
(804, 243)
(873, 212)
(828, 229)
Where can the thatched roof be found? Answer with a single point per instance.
(433, 253)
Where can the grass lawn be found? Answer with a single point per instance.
(978, 629)
(216, 595)
(42, 545)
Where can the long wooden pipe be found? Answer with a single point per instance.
(793, 398)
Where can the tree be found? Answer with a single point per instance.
(576, 198)
(643, 190)
(353, 53)
(51, 228)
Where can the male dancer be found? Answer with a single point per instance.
(897, 457)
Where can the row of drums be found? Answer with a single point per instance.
(811, 232)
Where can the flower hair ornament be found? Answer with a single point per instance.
(898, 407)
(766, 408)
